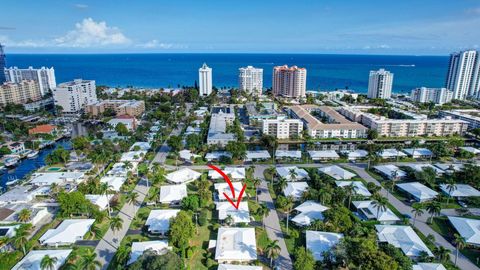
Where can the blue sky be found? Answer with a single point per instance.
(423, 27)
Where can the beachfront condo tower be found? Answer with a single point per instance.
(290, 82)
(250, 80)
(380, 84)
(463, 77)
(205, 80)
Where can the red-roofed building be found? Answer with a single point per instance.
(43, 129)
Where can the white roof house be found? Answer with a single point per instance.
(183, 176)
(418, 152)
(18, 194)
(223, 187)
(418, 191)
(143, 146)
(309, 211)
(320, 242)
(284, 172)
(120, 169)
(173, 193)
(295, 189)
(232, 172)
(294, 154)
(323, 155)
(368, 210)
(420, 167)
(403, 237)
(100, 200)
(428, 266)
(240, 215)
(216, 155)
(391, 153)
(336, 172)
(354, 155)
(449, 167)
(187, 155)
(257, 155)
(46, 179)
(467, 228)
(115, 182)
(158, 221)
(133, 156)
(236, 244)
(359, 187)
(32, 260)
(472, 150)
(461, 190)
(390, 171)
(67, 233)
(238, 267)
(8, 230)
(160, 247)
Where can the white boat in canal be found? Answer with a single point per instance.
(11, 161)
(32, 154)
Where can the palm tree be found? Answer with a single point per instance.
(272, 250)
(460, 243)
(380, 205)
(48, 263)
(89, 261)
(288, 208)
(389, 185)
(20, 239)
(256, 183)
(282, 183)
(350, 191)
(451, 187)
(263, 210)
(132, 197)
(443, 254)
(116, 224)
(94, 230)
(24, 215)
(433, 208)
(293, 174)
(123, 254)
(106, 189)
(417, 210)
(229, 220)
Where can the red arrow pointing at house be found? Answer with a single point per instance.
(225, 177)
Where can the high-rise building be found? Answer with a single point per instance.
(45, 77)
(205, 80)
(250, 80)
(19, 93)
(289, 81)
(2, 65)
(435, 95)
(463, 76)
(282, 128)
(380, 84)
(73, 96)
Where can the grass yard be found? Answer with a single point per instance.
(198, 259)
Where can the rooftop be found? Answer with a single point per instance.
(68, 232)
(402, 237)
(336, 172)
(320, 242)
(159, 246)
(236, 244)
(172, 193)
(159, 220)
(309, 211)
(358, 187)
(183, 175)
(418, 190)
(32, 260)
(286, 172)
(467, 228)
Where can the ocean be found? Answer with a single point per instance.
(324, 72)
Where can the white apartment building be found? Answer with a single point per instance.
(217, 131)
(405, 127)
(463, 76)
(205, 80)
(380, 84)
(282, 128)
(471, 116)
(19, 93)
(289, 82)
(435, 95)
(45, 77)
(250, 80)
(73, 96)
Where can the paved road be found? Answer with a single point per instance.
(162, 153)
(421, 222)
(272, 222)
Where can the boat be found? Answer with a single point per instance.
(11, 161)
(11, 183)
(32, 154)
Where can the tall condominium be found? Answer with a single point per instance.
(2, 65)
(19, 93)
(45, 77)
(380, 84)
(435, 95)
(205, 80)
(73, 96)
(250, 80)
(289, 81)
(463, 76)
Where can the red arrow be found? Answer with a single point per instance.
(225, 177)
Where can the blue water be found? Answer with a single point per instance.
(325, 72)
(27, 165)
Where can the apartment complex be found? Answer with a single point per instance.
(335, 126)
(220, 118)
(19, 93)
(120, 107)
(435, 95)
(45, 77)
(73, 96)
(471, 116)
(250, 80)
(463, 76)
(205, 80)
(380, 84)
(282, 128)
(405, 127)
(289, 82)
(2, 65)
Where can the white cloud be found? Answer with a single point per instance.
(90, 33)
(155, 44)
(81, 6)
